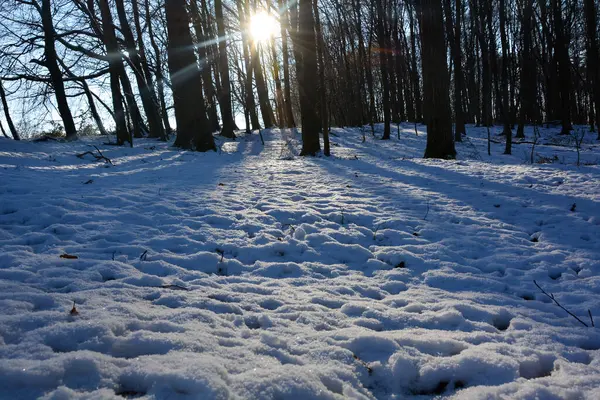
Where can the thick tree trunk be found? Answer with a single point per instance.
(309, 97)
(564, 67)
(50, 62)
(436, 86)
(527, 89)
(193, 130)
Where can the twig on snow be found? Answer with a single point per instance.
(551, 296)
(173, 286)
(363, 363)
(591, 319)
(97, 157)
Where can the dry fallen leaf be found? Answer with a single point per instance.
(74, 310)
(69, 256)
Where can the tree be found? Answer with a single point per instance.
(287, 92)
(459, 124)
(138, 67)
(115, 66)
(505, 110)
(593, 59)
(383, 66)
(9, 121)
(435, 81)
(309, 97)
(193, 130)
(51, 63)
(564, 66)
(225, 93)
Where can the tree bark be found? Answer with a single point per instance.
(505, 109)
(436, 85)
(193, 130)
(527, 88)
(287, 93)
(564, 67)
(309, 97)
(50, 62)
(383, 67)
(415, 72)
(115, 66)
(225, 94)
(155, 126)
(459, 124)
(9, 121)
(322, 89)
(158, 71)
(593, 58)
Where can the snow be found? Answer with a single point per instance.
(254, 273)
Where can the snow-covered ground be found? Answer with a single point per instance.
(253, 273)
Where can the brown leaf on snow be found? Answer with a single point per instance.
(69, 256)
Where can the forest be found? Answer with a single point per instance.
(299, 199)
(136, 68)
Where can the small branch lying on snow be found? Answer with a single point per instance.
(551, 296)
(364, 364)
(97, 157)
(173, 286)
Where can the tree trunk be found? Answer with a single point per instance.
(158, 71)
(287, 93)
(309, 97)
(193, 130)
(435, 81)
(505, 109)
(9, 121)
(50, 62)
(593, 58)
(415, 72)
(225, 93)
(207, 82)
(150, 108)
(383, 66)
(459, 128)
(527, 89)
(564, 67)
(322, 91)
(115, 67)
(261, 87)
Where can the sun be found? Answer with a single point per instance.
(263, 27)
